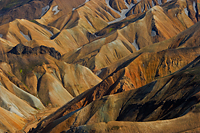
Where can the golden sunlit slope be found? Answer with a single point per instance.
(128, 36)
(100, 61)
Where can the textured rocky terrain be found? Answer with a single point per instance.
(27, 9)
(118, 66)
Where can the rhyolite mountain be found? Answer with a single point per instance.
(118, 66)
(28, 9)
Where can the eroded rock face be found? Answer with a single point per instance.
(10, 122)
(32, 82)
(134, 127)
(162, 99)
(21, 49)
(108, 63)
(128, 37)
(52, 91)
(151, 77)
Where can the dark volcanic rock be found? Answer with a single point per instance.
(21, 49)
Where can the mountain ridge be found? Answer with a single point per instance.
(100, 66)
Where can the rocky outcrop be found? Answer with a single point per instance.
(26, 50)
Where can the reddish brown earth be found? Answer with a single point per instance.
(118, 66)
(24, 9)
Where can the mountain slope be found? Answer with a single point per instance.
(169, 97)
(112, 63)
(22, 9)
(131, 73)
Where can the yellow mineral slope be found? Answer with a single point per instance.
(129, 36)
(10, 122)
(91, 20)
(28, 88)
